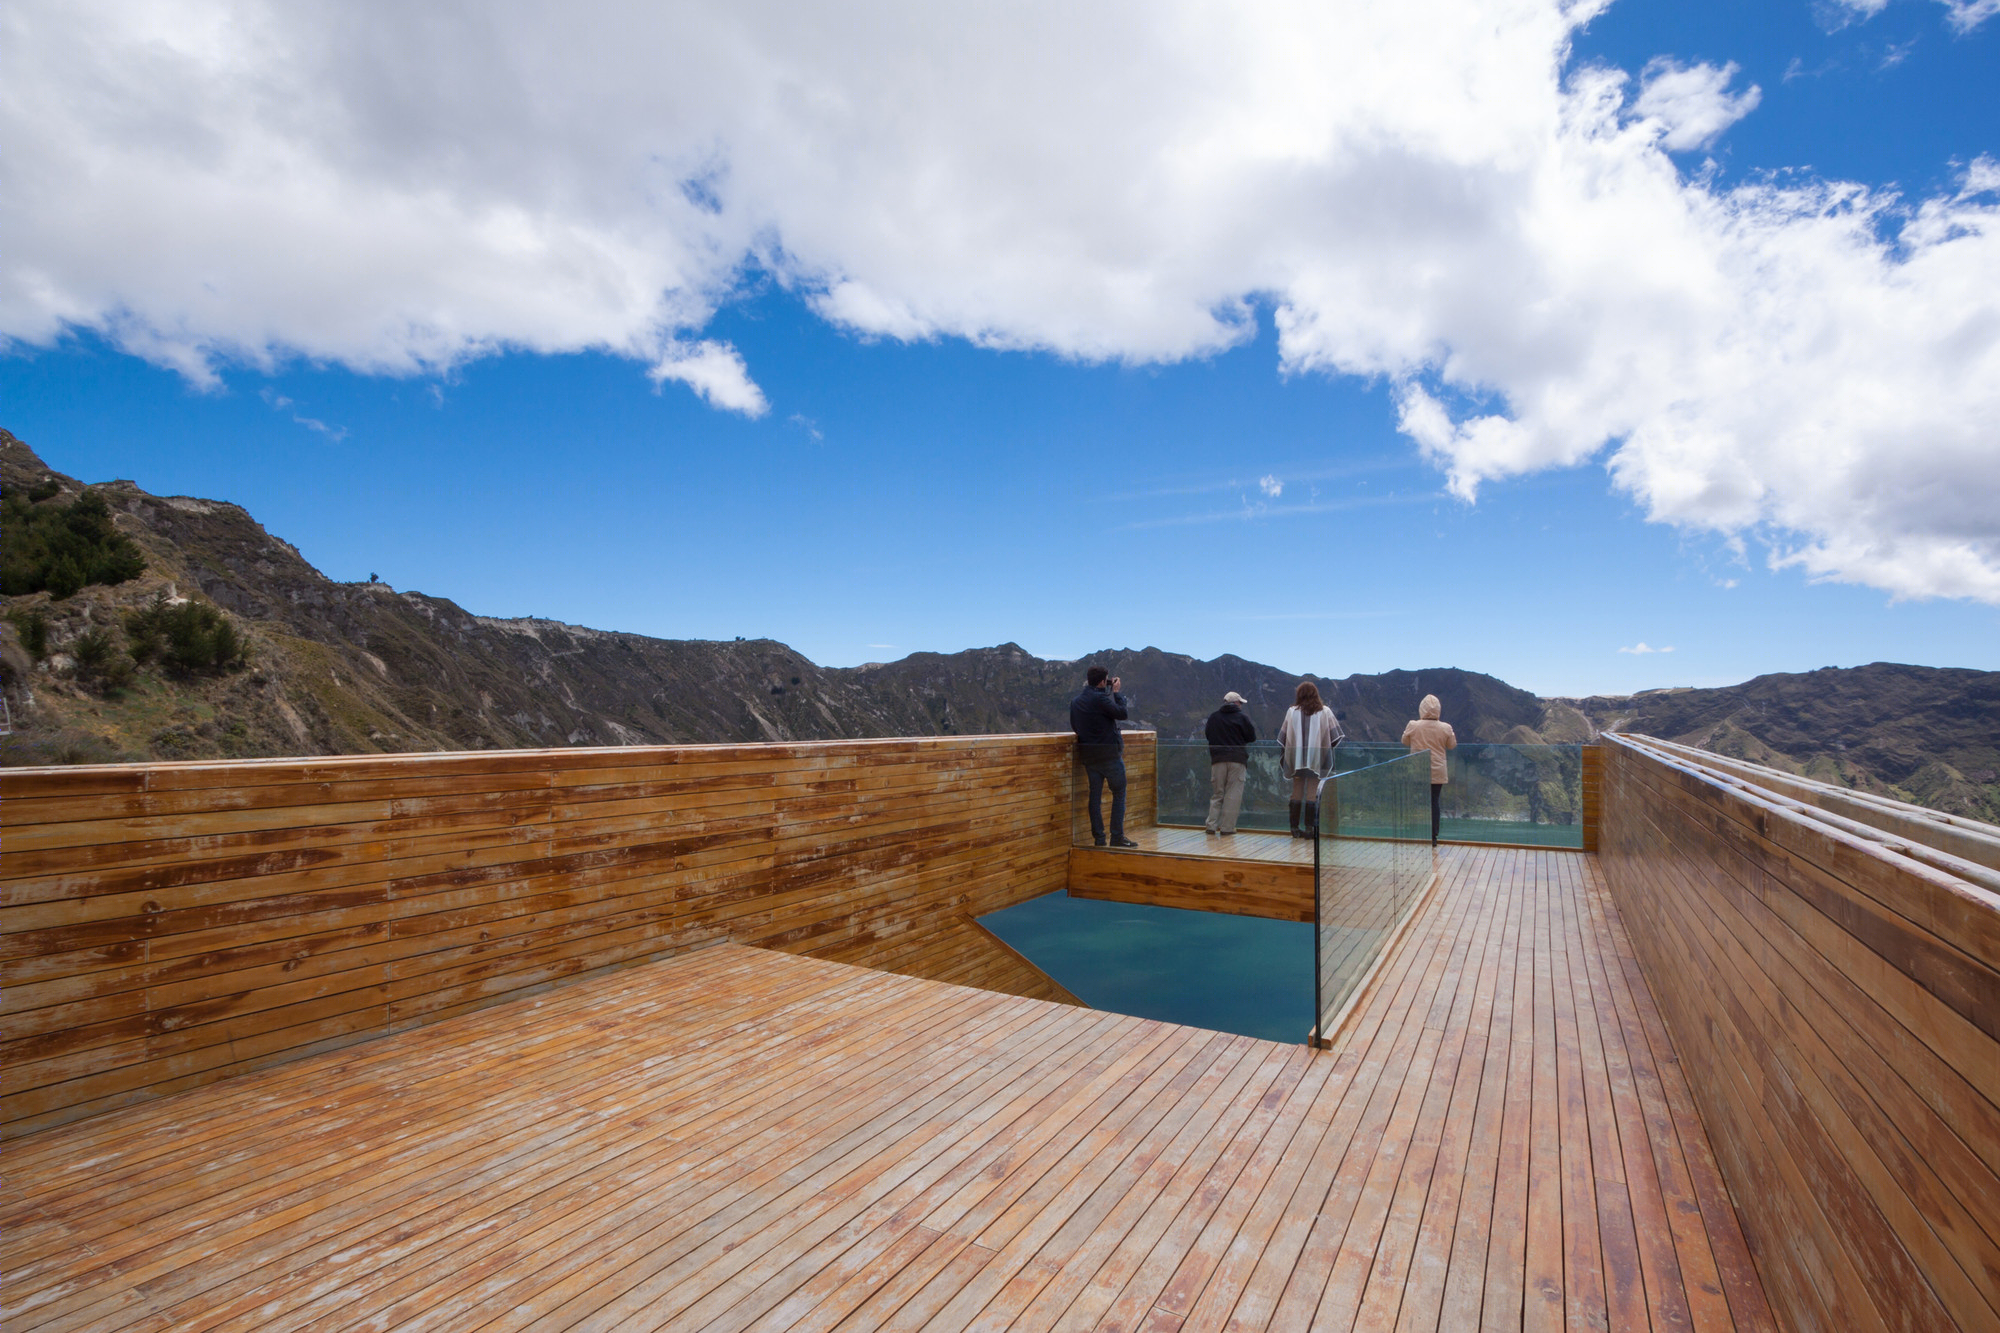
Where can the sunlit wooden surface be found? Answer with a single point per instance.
(1836, 1002)
(1243, 845)
(738, 1138)
(163, 925)
(1248, 874)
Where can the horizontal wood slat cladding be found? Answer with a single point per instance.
(1273, 889)
(1591, 778)
(1142, 801)
(1837, 1009)
(959, 950)
(165, 925)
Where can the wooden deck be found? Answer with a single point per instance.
(738, 1139)
(1243, 845)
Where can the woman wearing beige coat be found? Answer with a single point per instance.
(1427, 733)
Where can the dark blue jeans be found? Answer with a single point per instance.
(1104, 771)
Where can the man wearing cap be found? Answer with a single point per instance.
(1230, 733)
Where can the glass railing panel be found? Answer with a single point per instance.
(1527, 795)
(1185, 787)
(1372, 860)
(1517, 795)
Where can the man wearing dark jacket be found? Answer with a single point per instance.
(1230, 733)
(1094, 716)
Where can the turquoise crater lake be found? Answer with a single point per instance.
(1228, 973)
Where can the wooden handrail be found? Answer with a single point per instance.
(1956, 836)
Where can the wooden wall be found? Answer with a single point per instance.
(1591, 779)
(1275, 889)
(1142, 792)
(1836, 1007)
(165, 925)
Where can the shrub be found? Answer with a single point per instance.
(93, 650)
(60, 548)
(186, 638)
(66, 746)
(100, 662)
(33, 627)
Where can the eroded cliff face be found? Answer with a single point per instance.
(347, 668)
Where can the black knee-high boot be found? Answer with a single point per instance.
(1309, 825)
(1295, 817)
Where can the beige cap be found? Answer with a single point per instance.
(1232, 698)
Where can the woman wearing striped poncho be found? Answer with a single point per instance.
(1309, 733)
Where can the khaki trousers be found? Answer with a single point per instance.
(1225, 781)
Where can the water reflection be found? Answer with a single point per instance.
(1228, 973)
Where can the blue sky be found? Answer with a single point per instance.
(902, 461)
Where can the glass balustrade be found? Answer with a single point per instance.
(1372, 859)
(1184, 779)
(1518, 795)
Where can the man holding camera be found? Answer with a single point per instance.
(1094, 716)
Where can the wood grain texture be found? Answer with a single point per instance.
(1835, 1006)
(959, 950)
(1142, 800)
(1281, 891)
(734, 1139)
(1591, 779)
(164, 925)
(1245, 845)
(1958, 836)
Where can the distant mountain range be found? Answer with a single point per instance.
(343, 668)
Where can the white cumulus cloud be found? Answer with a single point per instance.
(716, 372)
(1431, 193)
(1691, 104)
(1641, 649)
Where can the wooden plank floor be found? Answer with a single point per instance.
(738, 1139)
(1242, 845)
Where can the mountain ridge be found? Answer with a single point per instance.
(339, 668)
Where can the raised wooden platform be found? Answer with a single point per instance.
(1246, 874)
(737, 1138)
(1246, 845)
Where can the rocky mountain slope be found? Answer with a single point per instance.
(339, 668)
(1924, 734)
(1008, 689)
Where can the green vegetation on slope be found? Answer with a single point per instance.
(187, 638)
(62, 548)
